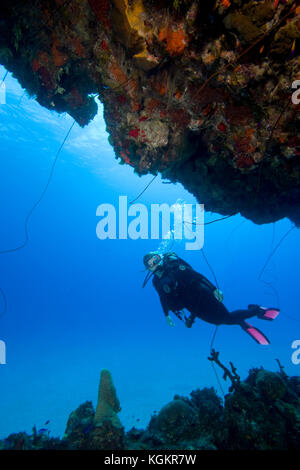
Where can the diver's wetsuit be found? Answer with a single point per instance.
(179, 286)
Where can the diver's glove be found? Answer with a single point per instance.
(189, 321)
(219, 295)
(170, 321)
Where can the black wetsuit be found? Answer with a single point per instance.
(179, 287)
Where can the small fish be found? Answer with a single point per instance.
(47, 422)
(293, 47)
(261, 49)
(138, 419)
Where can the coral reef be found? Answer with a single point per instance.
(198, 91)
(260, 413)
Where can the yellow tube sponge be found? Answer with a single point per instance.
(108, 403)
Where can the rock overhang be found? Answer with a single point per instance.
(200, 92)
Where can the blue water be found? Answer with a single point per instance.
(75, 304)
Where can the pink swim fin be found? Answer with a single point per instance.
(268, 313)
(255, 333)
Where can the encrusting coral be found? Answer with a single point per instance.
(199, 91)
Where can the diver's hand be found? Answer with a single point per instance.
(219, 295)
(169, 321)
(189, 322)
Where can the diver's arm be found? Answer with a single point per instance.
(170, 321)
(205, 283)
(166, 309)
(218, 294)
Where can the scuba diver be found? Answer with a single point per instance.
(181, 287)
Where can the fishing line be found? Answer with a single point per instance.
(211, 269)
(3, 79)
(11, 250)
(213, 339)
(212, 364)
(211, 222)
(234, 230)
(40, 198)
(266, 264)
(216, 328)
(269, 284)
(202, 250)
(31, 212)
(143, 190)
(274, 251)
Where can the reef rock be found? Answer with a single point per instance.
(79, 425)
(271, 385)
(175, 422)
(263, 413)
(200, 92)
(108, 432)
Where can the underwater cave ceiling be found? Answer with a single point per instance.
(199, 91)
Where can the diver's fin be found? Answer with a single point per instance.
(268, 313)
(255, 333)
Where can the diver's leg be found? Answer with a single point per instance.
(214, 312)
(265, 313)
(255, 333)
(238, 316)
